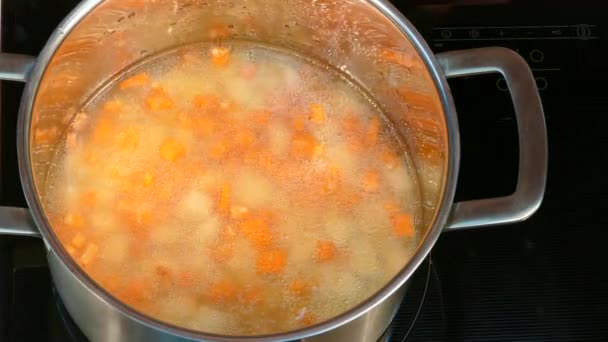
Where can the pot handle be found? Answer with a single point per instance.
(16, 221)
(533, 157)
(16, 67)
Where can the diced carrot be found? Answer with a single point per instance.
(261, 118)
(299, 287)
(88, 199)
(224, 203)
(403, 225)
(113, 106)
(159, 102)
(128, 139)
(244, 137)
(172, 150)
(79, 240)
(371, 181)
(326, 251)
(391, 160)
(223, 290)
(110, 282)
(134, 292)
(319, 150)
(303, 145)
(218, 150)
(308, 319)
(148, 178)
(73, 220)
(317, 113)
(371, 135)
(204, 125)
(257, 231)
(271, 261)
(135, 81)
(220, 56)
(103, 133)
(89, 255)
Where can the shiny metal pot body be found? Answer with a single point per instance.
(369, 40)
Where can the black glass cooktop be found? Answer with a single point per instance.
(540, 280)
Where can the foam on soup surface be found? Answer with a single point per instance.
(235, 189)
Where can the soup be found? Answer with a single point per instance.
(237, 189)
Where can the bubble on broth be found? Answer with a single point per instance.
(238, 189)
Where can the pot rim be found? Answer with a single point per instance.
(52, 242)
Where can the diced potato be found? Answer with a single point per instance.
(209, 319)
(116, 248)
(207, 230)
(195, 206)
(363, 257)
(278, 139)
(89, 254)
(253, 190)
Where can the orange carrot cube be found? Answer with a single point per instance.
(271, 261)
(79, 240)
(257, 231)
(304, 145)
(326, 251)
(403, 225)
(135, 81)
(390, 159)
(317, 113)
(223, 290)
(220, 56)
(171, 150)
(371, 181)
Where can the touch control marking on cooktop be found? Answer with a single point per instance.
(509, 33)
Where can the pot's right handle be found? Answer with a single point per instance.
(16, 221)
(532, 173)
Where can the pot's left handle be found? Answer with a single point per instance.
(16, 221)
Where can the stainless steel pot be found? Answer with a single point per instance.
(370, 40)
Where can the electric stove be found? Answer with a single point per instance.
(540, 280)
